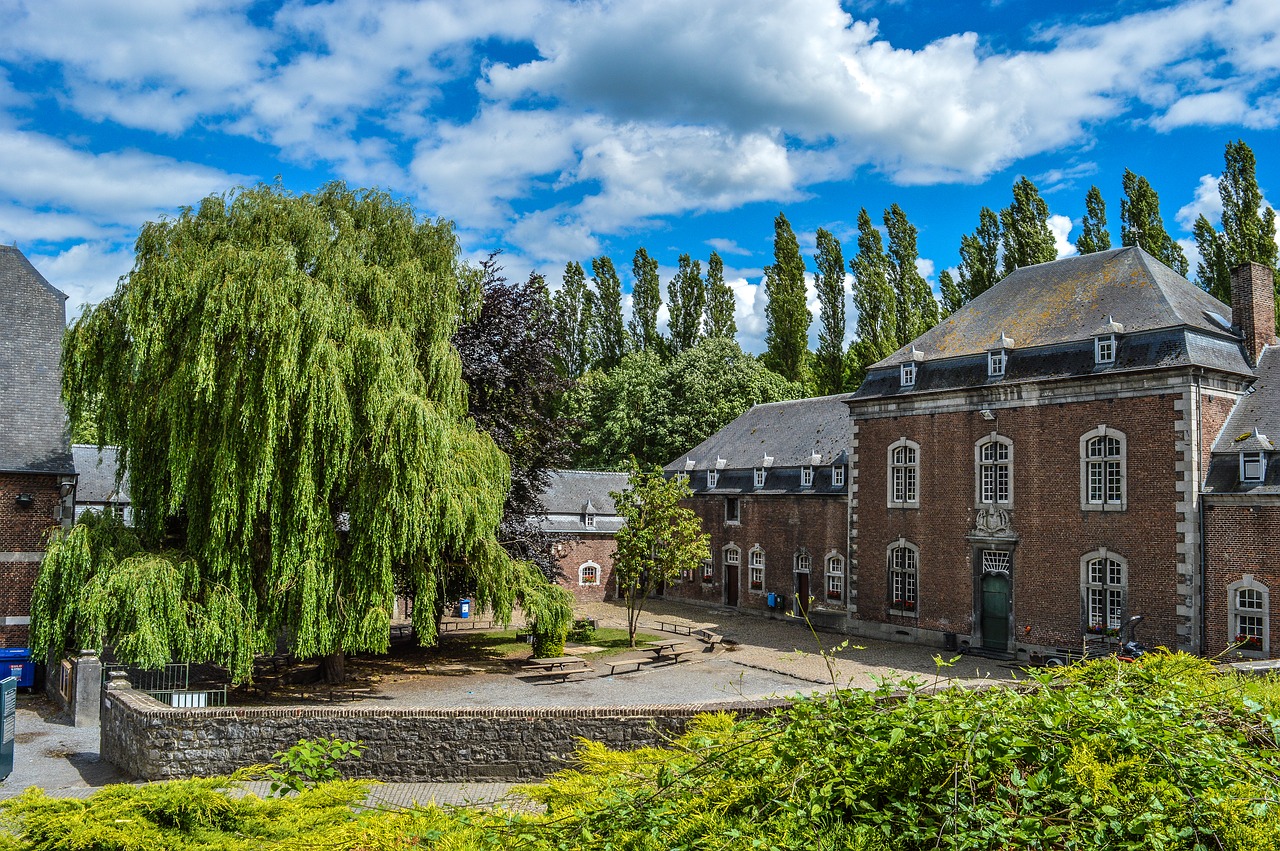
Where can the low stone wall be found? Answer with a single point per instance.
(155, 742)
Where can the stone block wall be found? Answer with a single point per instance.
(154, 742)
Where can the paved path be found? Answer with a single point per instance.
(762, 658)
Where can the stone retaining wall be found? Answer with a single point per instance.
(155, 742)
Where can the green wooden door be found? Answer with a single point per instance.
(995, 612)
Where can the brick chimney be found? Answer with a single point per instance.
(1253, 307)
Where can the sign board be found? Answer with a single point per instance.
(8, 723)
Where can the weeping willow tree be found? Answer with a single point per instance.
(278, 372)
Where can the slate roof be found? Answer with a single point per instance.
(789, 433)
(568, 494)
(97, 475)
(1253, 426)
(34, 437)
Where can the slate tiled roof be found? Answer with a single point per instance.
(568, 494)
(33, 424)
(97, 475)
(1253, 426)
(789, 433)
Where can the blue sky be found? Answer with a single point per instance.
(560, 131)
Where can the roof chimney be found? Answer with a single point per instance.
(1253, 307)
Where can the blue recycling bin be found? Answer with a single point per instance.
(464, 608)
(772, 600)
(16, 662)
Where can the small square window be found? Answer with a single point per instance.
(995, 363)
(590, 521)
(1104, 349)
(806, 477)
(908, 375)
(837, 476)
(760, 474)
(1253, 466)
(732, 512)
(713, 477)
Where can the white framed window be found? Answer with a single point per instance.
(835, 578)
(1104, 349)
(994, 463)
(709, 571)
(804, 562)
(1249, 602)
(589, 520)
(732, 510)
(589, 573)
(806, 477)
(760, 476)
(1253, 466)
(995, 363)
(908, 375)
(837, 476)
(904, 568)
(713, 478)
(904, 474)
(1104, 576)
(755, 569)
(1103, 458)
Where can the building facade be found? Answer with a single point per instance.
(579, 508)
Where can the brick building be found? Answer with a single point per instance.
(578, 506)
(1023, 477)
(37, 476)
(772, 491)
(97, 488)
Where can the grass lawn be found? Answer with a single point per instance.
(504, 644)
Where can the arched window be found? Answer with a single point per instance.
(804, 562)
(589, 573)
(904, 568)
(835, 578)
(1103, 457)
(1249, 627)
(994, 465)
(755, 569)
(904, 474)
(1104, 580)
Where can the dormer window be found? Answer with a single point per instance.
(589, 520)
(713, 476)
(995, 363)
(1253, 466)
(1104, 349)
(760, 472)
(908, 375)
(837, 476)
(806, 477)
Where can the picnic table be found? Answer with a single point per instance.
(556, 666)
(669, 650)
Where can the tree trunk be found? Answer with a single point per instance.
(334, 667)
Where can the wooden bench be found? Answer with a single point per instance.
(709, 637)
(557, 666)
(627, 662)
(677, 628)
(672, 650)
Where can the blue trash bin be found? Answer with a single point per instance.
(464, 608)
(16, 662)
(772, 600)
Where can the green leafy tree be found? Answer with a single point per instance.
(786, 313)
(874, 299)
(720, 301)
(613, 411)
(280, 375)
(1248, 227)
(611, 338)
(1094, 236)
(688, 298)
(917, 309)
(1141, 224)
(661, 538)
(952, 296)
(979, 267)
(828, 363)
(1213, 271)
(574, 322)
(646, 301)
(1025, 236)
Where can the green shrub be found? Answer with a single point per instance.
(309, 762)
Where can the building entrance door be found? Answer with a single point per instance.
(730, 584)
(995, 612)
(802, 594)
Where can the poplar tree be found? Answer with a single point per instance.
(611, 336)
(688, 299)
(279, 373)
(1213, 272)
(828, 365)
(917, 309)
(979, 267)
(646, 301)
(874, 299)
(1141, 225)
(1025, 236)
(574, 322)
(786, 313)
(952, 297)
(1094, 235)
(1248, 228)
(720, 301)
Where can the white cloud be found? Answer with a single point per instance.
(1056, 179)
(87, 272)
(1061, 227)
(727, 246)
(1206, 202)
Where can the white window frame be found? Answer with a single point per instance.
(806, 477)
(713, 478)
(734, 516)
(1249, 619)
(755, 570)
(1253, 466)
(709, 569)
(902, 559)
(1103, 473)
(903, 458)
(993, 474)
(589, 520)
(837, 475)
(996, 362)
(582, 573)
(760, 475)
(835, 578)
(804, 562)
(1104, 591)
(908, 374)
(1104, 349)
